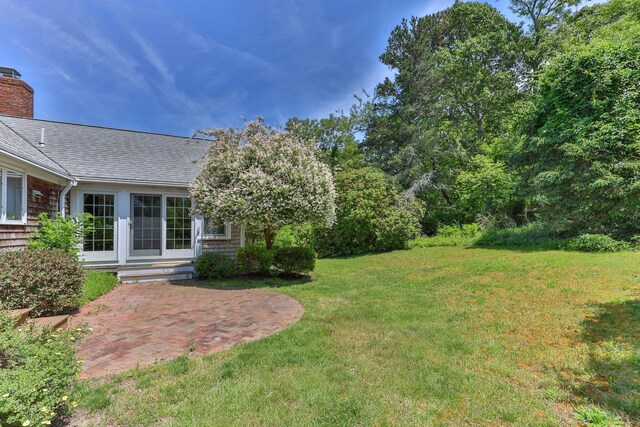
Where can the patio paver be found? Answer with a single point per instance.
(143, 323)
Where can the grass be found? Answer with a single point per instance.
(442, 336)
(96, 284)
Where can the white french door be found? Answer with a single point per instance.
(161, 226)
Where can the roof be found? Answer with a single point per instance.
(99, 154)
(15, 146)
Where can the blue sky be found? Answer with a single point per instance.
(176, 66)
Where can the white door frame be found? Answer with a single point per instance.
(100, 255)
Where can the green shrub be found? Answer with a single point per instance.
(38, 369)
(536, 234)
(597, 243)
(295, 235)
(294, 259)
(582, 162)
(96, 284)
(372, 216)
(255, 260)
(64, 233)
(215, 266)
(450, 235)
(46, 280)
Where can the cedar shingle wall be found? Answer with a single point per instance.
(227, 247)
(17, 236)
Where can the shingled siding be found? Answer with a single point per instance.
(228, 247)
(17, 236)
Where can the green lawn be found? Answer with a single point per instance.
(434, 336)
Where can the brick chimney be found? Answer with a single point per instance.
(16, 97)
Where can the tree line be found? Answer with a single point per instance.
(485, 120)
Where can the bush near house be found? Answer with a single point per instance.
(294, 259)
(214, 266)
(47, 280)
(255, 259)
(38, 369)
(258, 259)
(59, 232)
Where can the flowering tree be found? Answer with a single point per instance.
(265, 178)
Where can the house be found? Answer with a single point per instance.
(135, 184)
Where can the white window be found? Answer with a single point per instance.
(216, 231)
(13, 197)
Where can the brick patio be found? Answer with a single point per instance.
(143, 323)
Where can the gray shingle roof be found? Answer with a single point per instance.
(92, 153)
(16, 146)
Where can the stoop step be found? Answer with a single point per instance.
(54, 322)
(20, 315)
(155, 272)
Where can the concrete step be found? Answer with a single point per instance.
(54, 322)
(133, 277)
(157, 266)
(20, 315)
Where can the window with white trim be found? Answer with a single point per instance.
(13, 190)
(102, 208)
(216, 231)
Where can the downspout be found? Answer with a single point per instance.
(63, 196)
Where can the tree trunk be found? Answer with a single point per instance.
(268, 237)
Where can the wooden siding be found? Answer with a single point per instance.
(17, 236)
(227, 247)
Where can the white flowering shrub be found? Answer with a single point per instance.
(265, 178)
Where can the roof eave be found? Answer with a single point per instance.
(133, 182)
(36, 165)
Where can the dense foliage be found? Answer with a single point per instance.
(372, 216)
(46, 280)
(265, 178)
(255, 259)
(505, 124)
(38, 369)
(448, 109)
(59, 232)
(582, 162)
(597, 243)
(294, 259)
(215, 266)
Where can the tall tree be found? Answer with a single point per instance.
(335, 136)
(542, 17)
(457, 83)
(582, 159)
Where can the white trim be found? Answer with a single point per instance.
(176, 253)
(130, 230)
(36, 165)
(133, 182)
(100, 255)
(3, 197)
(225, 236)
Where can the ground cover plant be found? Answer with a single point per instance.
(96, 284)
(429, 336)
(38, 369)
